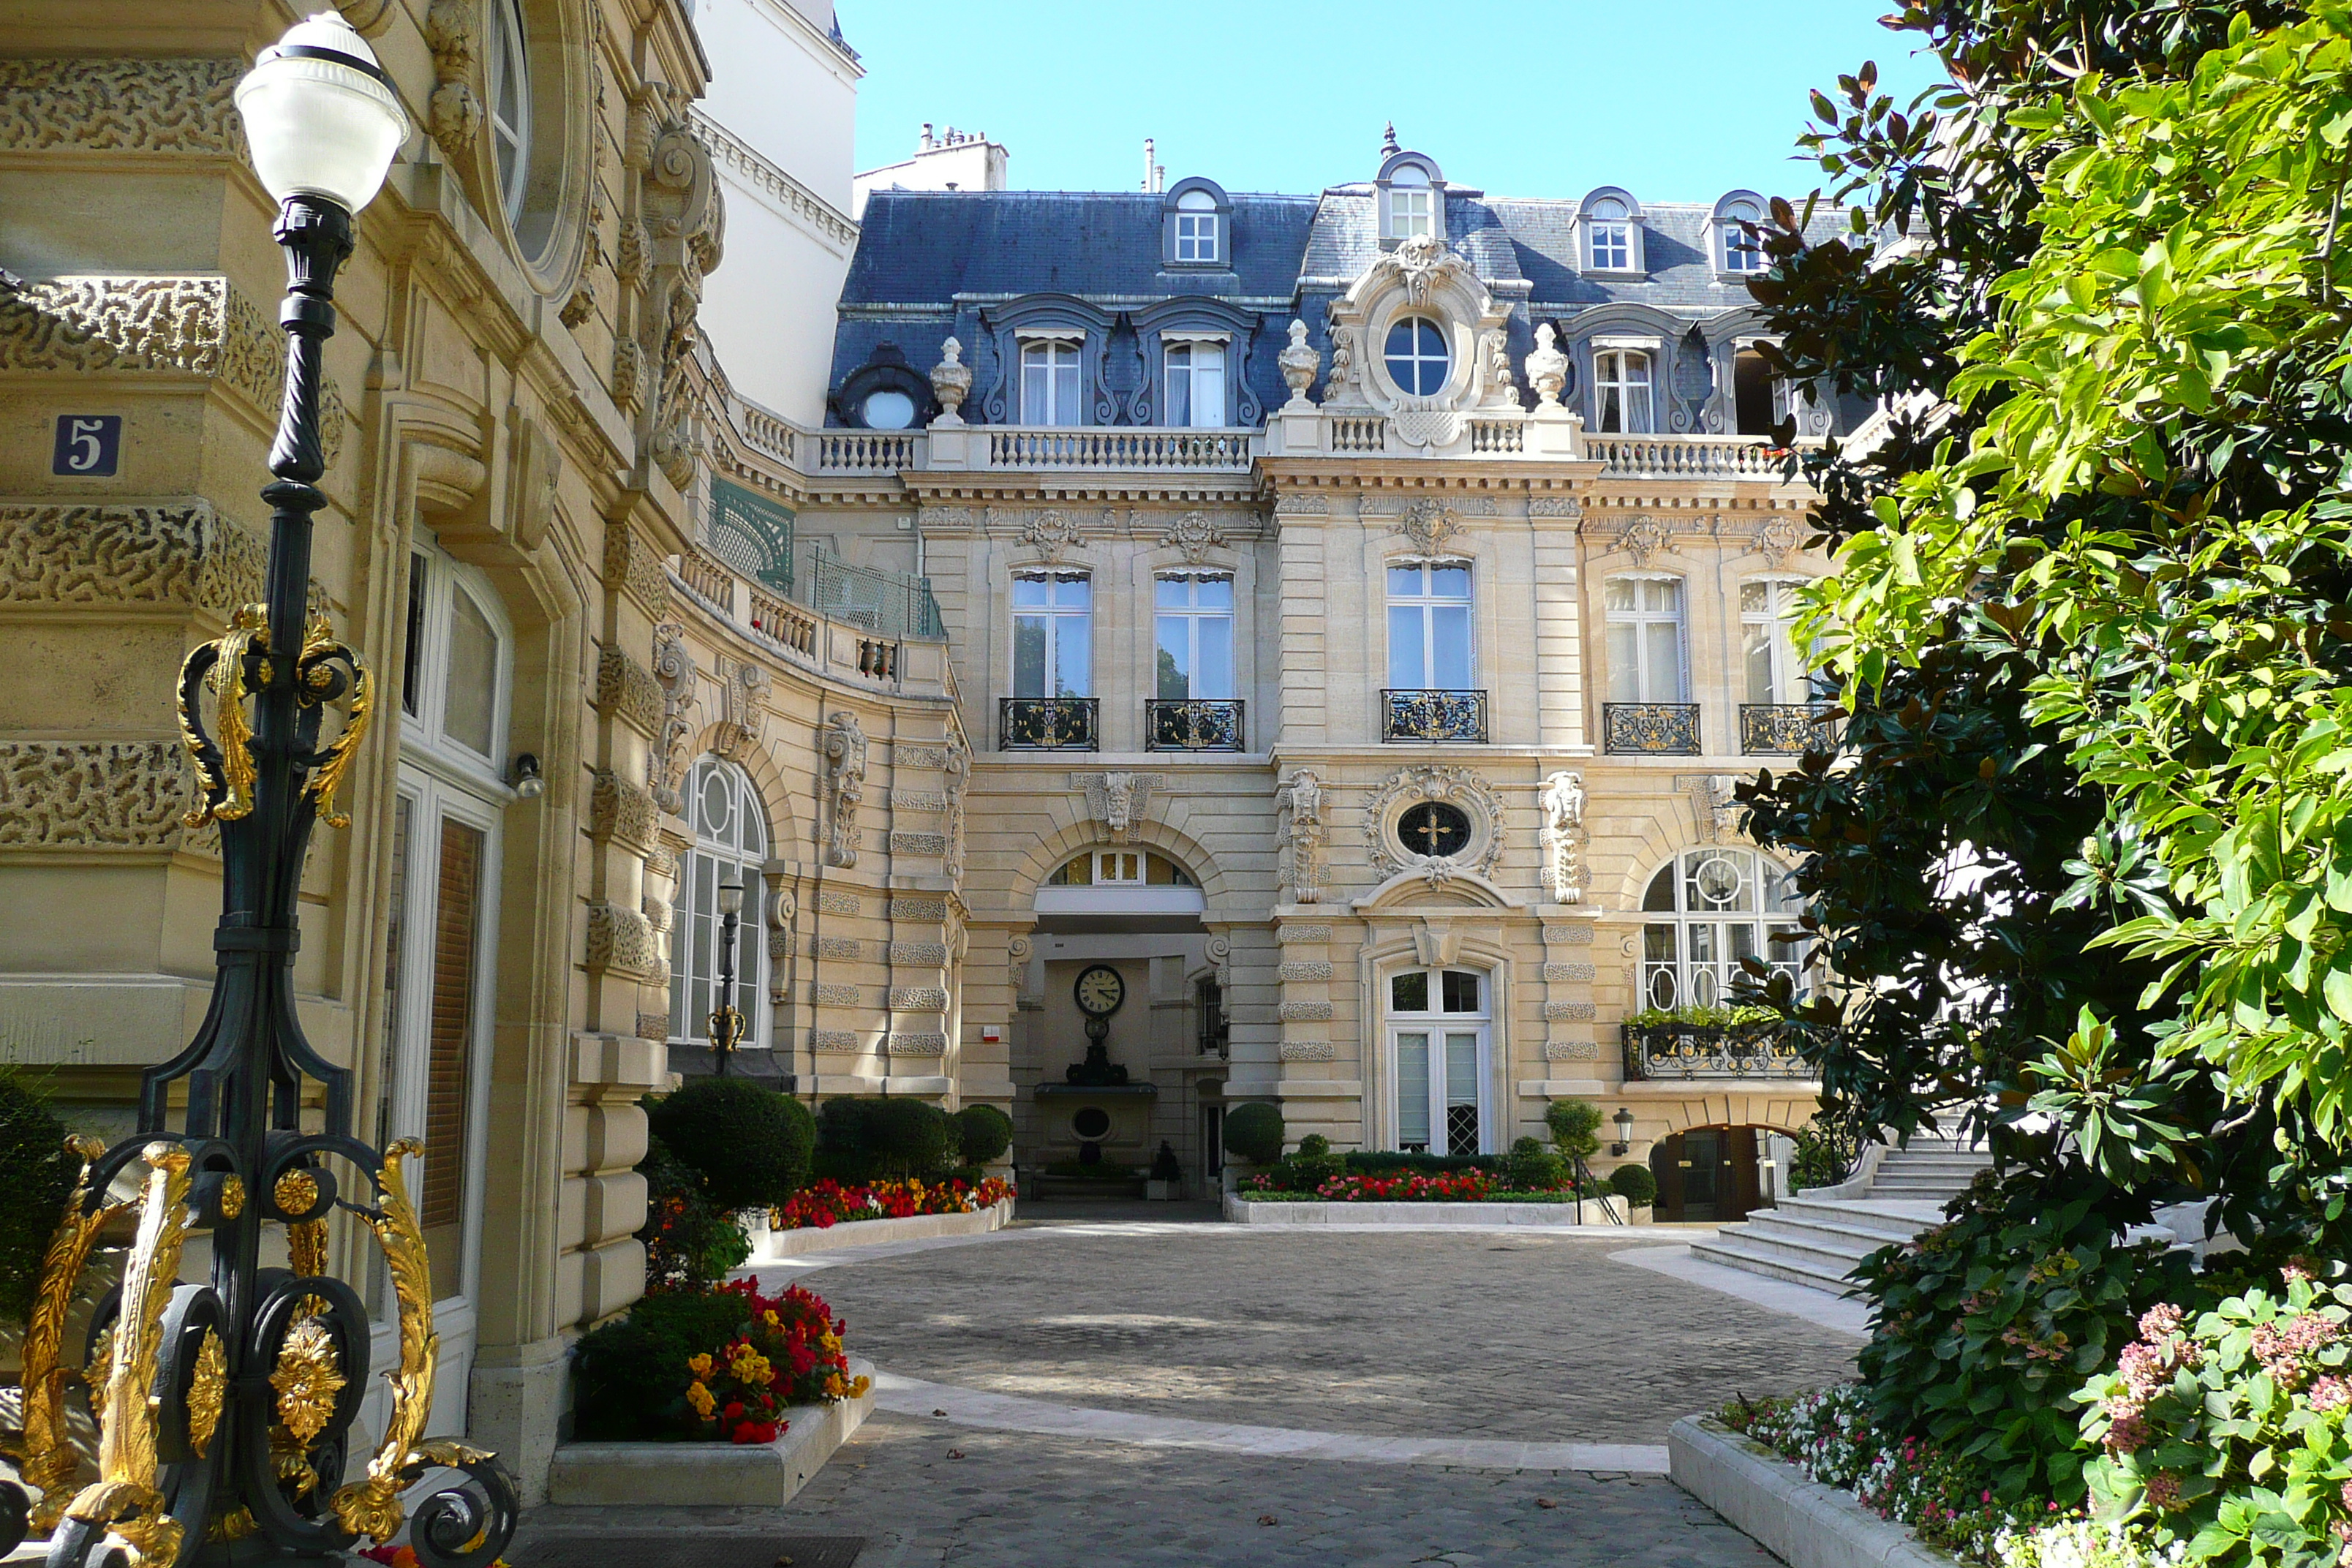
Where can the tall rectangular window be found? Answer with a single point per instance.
(1053, 635)
(1644, 617)
(1194, 622)
(1429, 645)
(1621, 391)
(1196, 384)
(457, 935)
(1049, 384)
(1775, 674)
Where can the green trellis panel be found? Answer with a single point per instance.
(752, 533)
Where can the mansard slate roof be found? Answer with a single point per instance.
(928, 263)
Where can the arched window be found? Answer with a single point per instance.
(1196, 226)
(1418, 358)
(1411, 202)
(1196, 384)
(731, 846)
(1609, 232)
(1440, 1024)
(1705, 911)
(1621, 391)
(510, 106)
(1644, 617)
(1049, 382)
(1120, 868)
(1736, 249)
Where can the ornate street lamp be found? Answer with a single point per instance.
(1624, 1121)
(726, 1023)
(225, 1407)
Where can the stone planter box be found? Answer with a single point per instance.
(1801, 1521)
(688, 1474)
(1243, 1211)
(775, 1246)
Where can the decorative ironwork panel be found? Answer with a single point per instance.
(1046, 725)
(1786, 727)
(1711, 1051)
(1662, 728)
(1191, 725)
(1409, 714)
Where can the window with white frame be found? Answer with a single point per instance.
(1117, 867)
(1193, 622)
(1609, 236)
(1049, 382)
(730, 847)
(1196, 384)
(1739, 250)
(1411, 202)
(1196, 226)
(1621, 391)
(1705, 913)
(452, 688)
(509, 107)
(1645, 620)
(1052, 634)
(1418, 360)
(1775, 672)
(1430, 643)
(1439, 1038)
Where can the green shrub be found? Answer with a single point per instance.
(627, 1369)
(690, 1241)
(1313, 1165)
(1701, 1017)
(750, 1145)
(1390, 1161)
(983, 1133)
(1575, 1127)
(1255, 1132)
(1983, 1329)
(37, 1177)
(1531, 1167)
(1824, 1156)
(1634, 1185)
(911, 1137)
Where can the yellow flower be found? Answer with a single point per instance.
(749, 1366)
(699, 1396)
(829, 1340)
(832, 1385)
(774, 1320)
(700, 1365)
(858, 1387)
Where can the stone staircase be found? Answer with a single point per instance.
(1816, 1239)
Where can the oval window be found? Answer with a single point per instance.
(1434, 828)
(1417, 356)
(1091, 1123)
(887, 410)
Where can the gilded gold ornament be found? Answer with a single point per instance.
(208, 1394)
(372, 1507)
(317, 641)
(309, 1374)
(235, 1525)
(296, 1191)
(305, 1247)
(48, 1460)
(124, 1497)
(248, 630)
(231, 1198)
(94, 1376)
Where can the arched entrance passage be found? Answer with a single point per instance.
(1108, 1061)
(1718, 1174)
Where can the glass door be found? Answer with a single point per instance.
(1439, 1063)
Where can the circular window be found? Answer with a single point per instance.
(510, 106)
(1091, 1123)
(887, 410)
(1417, 356)
(1719, 880)
(1434, 828)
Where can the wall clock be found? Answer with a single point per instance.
(1099, 991)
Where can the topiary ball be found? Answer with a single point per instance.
(1255, 1132)
(1635, 1184)
(749, 1146)
(983, 1133)
(911, 1137)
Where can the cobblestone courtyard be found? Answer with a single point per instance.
(1217, 1333)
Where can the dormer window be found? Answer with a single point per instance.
(1611, 242)
(1196, 226)
(1196, 381)
(1412, 205)
(1416, 356)
(1738, 253)
(1049, 381)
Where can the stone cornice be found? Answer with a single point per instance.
(786, 195)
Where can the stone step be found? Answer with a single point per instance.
(1733, 1252)
(1830, 1211)
(1902, 1160)
(1924, 1192)
(1821, 1255)
(1853, 1240)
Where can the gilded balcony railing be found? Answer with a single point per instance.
(1786, 727)
(1662, 728)
(1191, 724)
(1047, 724)
(1709, 1051)
(1414, 714)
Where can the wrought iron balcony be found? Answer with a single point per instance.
(1659, 729)
(1414, 714)
(1676, 1051)
(1191, 724)
(1786, 727)
(1047, 724)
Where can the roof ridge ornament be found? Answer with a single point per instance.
(1389, 148)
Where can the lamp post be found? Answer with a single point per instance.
(1624, 1123)
(227, 1405)
(726, 1023)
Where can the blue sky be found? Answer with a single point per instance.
(1674, 100)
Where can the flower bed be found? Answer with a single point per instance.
(826, 1204)
(1407, 1187)
(717, 1365)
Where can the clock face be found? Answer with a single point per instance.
(1099, 991)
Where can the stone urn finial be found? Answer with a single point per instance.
(951, 381)
(1299, 364)
(1546, 368)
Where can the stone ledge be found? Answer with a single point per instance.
(770, 1246)
(1244, 1211)
(688, 1474)
(1801, 1521)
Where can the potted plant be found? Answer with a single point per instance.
(1638, 1188)
(1166, 1182)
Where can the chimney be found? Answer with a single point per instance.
(1147, 165)
(926, 136)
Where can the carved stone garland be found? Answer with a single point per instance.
(845, 782)
(1300, 802)
(673, 672)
